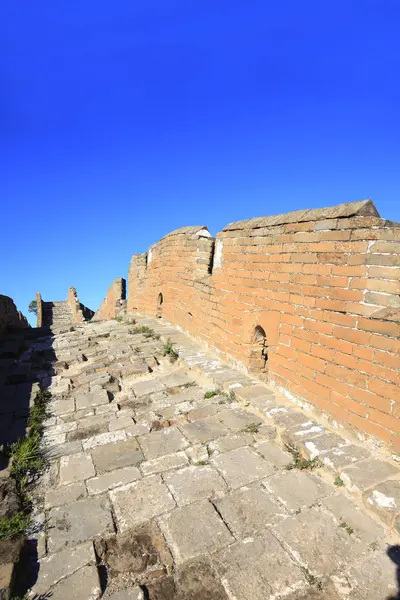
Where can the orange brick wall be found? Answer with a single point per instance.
(323, 284)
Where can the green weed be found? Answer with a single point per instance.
(251, 428)
(169, 350)
(212, 393)
(11, 527)
(338, 481)
(299, 462)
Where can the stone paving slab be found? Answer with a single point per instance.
(193, 530)
(163, 442)
(141, 501)
(242, 466)
(143, 449)
(77, 522)
(259, 569)
(194, 483)
(116, 455)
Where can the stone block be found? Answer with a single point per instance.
(242, 466)
(82, 585)
(76, 467)
(320, 543)
(113, 479)
(110, 437)
(273, 454)
(368, 473)
(158, 443)
(229, 442)
(249, 510)
(236, 419)
(120, 423)
(296, 489)
(92, 399)
(117, 455)
(65, 494)
(164, 463)
(62, 407)
(140, 501)
(194, 483)
(336, 459)
(56, 566)
(194, 530)
(374, 577)
(143, 388)
(74, 523)
(384, 500)
(258, 569)
(349, 515)
(204, 430)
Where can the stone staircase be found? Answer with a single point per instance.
(57, 314)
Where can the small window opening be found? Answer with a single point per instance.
(160, 301)
(260, 352)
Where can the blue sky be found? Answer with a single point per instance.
(120, 121)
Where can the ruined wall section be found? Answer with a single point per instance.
(322, 285)
(162, 282)
(10, 316)
(114, 302)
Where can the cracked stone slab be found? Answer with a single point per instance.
(140, 501)
(384, 500)
(237, 419)
(116, 455)
(113, 479)
(273, 454)
(230, 442)
(349, 514)
(258, 569)
(297, 489)
(76, 467)
(242, 466)
(78, 522)
(194, 483)
(166, 441)
(164, 463)
(65, 494)
(341, 457)
(320, 544)
(204, 430)
(82, 585)
(366, 474)
(57, 566)
(193, 530)
(92, 399)
(248, 510)
(372, 578)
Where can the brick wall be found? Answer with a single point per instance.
(114, 302)
(10, 316)
(309, 300)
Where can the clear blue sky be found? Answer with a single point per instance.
(120, 121)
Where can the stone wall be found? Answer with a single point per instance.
(308, 299)
(115, 301)
(10, 316)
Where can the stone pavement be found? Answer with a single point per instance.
(160, 490)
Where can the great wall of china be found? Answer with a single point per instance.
(286, 333)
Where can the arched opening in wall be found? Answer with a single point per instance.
(160, 301)
(259, 353)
